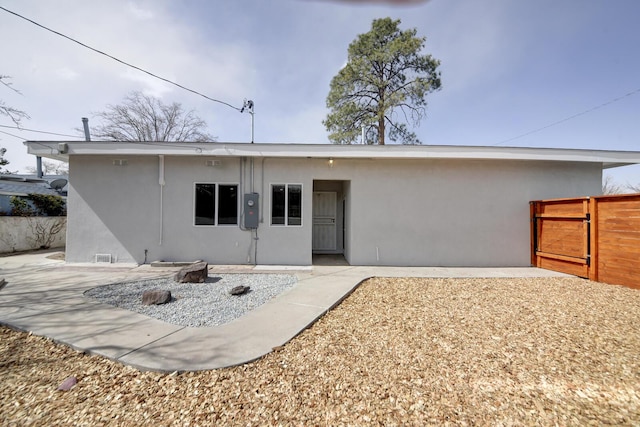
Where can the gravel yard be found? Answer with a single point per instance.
(552, 351)
(197, 304)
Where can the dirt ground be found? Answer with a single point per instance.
(553, 351)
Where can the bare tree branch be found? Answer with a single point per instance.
(634, 188)
(145, 118)
(609, 186)
(13, 113)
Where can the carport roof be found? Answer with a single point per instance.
(20, 185)
(61, 150)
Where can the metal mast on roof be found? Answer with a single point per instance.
(248, 106)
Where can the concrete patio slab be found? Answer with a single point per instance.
(45, 296)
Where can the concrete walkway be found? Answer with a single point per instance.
(45, 296)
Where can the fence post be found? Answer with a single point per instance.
(593, 239)
(532, 227)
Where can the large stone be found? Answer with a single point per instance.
(155, 297)
(194, 273)
(67, 384)
(239, 290)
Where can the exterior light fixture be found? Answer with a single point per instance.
(330, 162)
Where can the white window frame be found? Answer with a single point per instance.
(216, 198)
(286, 204)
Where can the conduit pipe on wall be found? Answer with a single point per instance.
(242, 164)
(243, 160)
(161, 181)
(252, 175)
(263, 193)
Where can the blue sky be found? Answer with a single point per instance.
(508, 67)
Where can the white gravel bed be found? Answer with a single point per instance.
(197, 304)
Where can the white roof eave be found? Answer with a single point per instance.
(53, 150)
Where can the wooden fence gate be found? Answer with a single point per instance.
(592, 237)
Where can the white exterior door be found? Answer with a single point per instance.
(324, 221)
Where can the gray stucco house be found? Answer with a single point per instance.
(233, 203)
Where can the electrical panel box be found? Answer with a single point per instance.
(251, 213)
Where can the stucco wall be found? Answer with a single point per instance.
(26, 233)
(398, 212)
(454, 213)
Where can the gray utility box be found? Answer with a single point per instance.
(251, 212)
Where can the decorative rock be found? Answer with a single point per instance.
(156, 296)
(239, 290)
(194, 273)
(68, 384)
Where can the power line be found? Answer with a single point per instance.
(39, 131)
(119, 60)
(571, 117)
(10, 134)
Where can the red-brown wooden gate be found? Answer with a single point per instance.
(592, 237)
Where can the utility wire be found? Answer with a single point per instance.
(571, 117)
(10, 134)
(39, 131)
(119, 60)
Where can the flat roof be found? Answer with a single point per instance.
(61, 150)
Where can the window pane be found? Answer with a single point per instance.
(277, 204)
(227, 204)
(295, 205)
(205, 204)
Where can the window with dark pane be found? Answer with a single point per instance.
(294, 213)
(205, 204)
(227, 204)
(278, 199)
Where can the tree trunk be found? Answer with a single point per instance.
(381, 130)
(381, 101)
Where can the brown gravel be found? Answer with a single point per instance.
(396, 352)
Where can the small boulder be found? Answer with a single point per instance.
(67, 384)
(239, 290)
(156, 296)
(194, 273)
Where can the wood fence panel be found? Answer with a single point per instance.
(561, 237)
(618, 239)
(564, 266)
(597, 237)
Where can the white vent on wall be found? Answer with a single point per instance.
(103, 258)
(213, 163)
(120, 162)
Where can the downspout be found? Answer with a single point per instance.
(263, 193)
(161, 182)
(242, 167)
(242, 161)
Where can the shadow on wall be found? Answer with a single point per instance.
(33, 232)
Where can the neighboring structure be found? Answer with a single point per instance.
(23, 185)
(377, 205)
